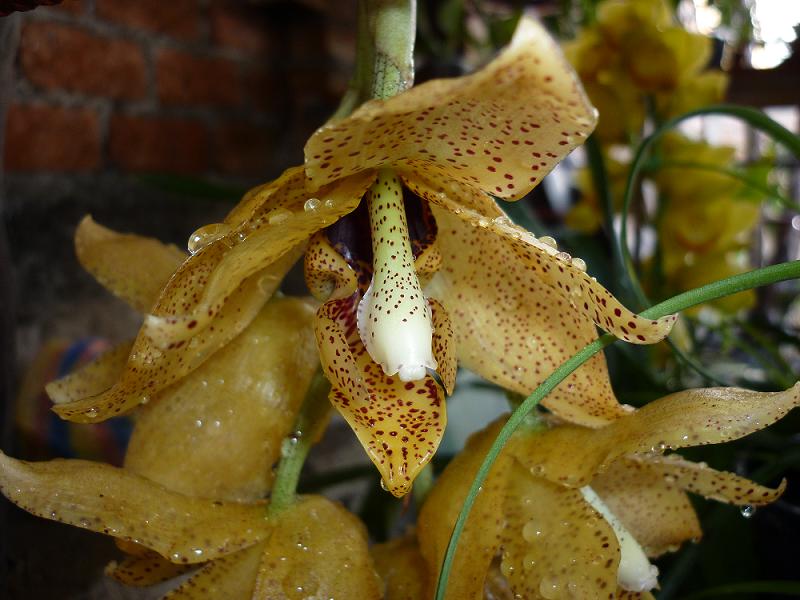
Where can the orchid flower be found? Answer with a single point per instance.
(312, 548)
(505, 303)
(239, 404)
(573, 512)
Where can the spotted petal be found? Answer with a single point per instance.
(688, 418)
(93, 378)
(108, 500)
(317, 549)
(400, 424)
(131, 267)
(501, 129)
(543, 261)
(252, 247)
(149, 568)
(218, 432)
(656, 511)
(232, 577)
(555, 544)
(721, 486)
(481, 537)
(514, 330)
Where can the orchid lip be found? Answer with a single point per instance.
(394, 318)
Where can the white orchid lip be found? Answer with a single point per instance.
(635, 573)
(394, 318)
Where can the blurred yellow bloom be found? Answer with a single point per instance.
(314, 548)
(573, 512)
(506, 304)
(587, 215)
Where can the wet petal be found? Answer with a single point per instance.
(217, 433)
(147, 569)
(721, 486)
(232, 577)
(514, 330)
(400, 424)
(481, 537)
(263, 200)
(113, 501)
(655, 511)
(444, 350)
(553, 268)
(317, 550)
(326, 272)
(688, 418)
(93, 378)
(150, 369)
(252, 247)
(501, 129)
(401, 568)
(132, 267)
(556, 545)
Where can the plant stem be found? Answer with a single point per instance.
(309, 426)
(392, 27)
(706, 293)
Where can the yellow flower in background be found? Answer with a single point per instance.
(573, 512)
(313, 548)
(635, 50)
(587, 215)
(507, 305)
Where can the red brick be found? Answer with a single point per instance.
(63, 57)
(74, 7)
(51, 138)
(265, 90)
(240, 27)
(188, 80)
(158, 144)
(178, 18)
(243, 148)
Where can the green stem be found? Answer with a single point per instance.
(706, 293)
(392, 27)
(310, 423)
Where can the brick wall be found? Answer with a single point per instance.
(202, 87)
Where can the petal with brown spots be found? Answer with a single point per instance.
(500, 129)
(481, 537)
(116, 502)
(656, 512)
(218, 432)
(400, 424)
(443, 345)
(285, 191)
(721, 486)
(150, 369)
(232, 577)
(251, 248)
(558, 270)
(144, 570)
(555, 544)
(317, 549)
(131, 267)
(687, 418)
(327, 273)
(93, 378)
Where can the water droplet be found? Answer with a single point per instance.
(384, 487)
(548, 241)
(483, 222)
(549, 588)
(532, 531)
(311, 204)
(84, 522)
(565, 256)
(328, 203)
(579, 264)
(747, 511)
(278, 216)
(91, 413)
(145, 399)
(206, 235)
(198, 423)
(197, 552)
(532, 342)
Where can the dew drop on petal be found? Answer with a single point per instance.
(91, 413)
(205, 235)
(565, 256)
(548, 241)
(747, 511)
(579, 264)
(311, 204)
(278, 216)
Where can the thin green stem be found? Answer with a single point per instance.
(706, 293)
(392, 27)
(310, 423)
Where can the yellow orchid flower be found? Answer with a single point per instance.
(312, 548)
(216, 432)
(402, 569)
(574, 512)
(437, 149)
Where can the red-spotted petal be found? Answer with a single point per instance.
(146, 569)
(400, 424)
(93, 378)
(232, 577)
(501, 129)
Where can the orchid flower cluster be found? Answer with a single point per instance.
(413, 269)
